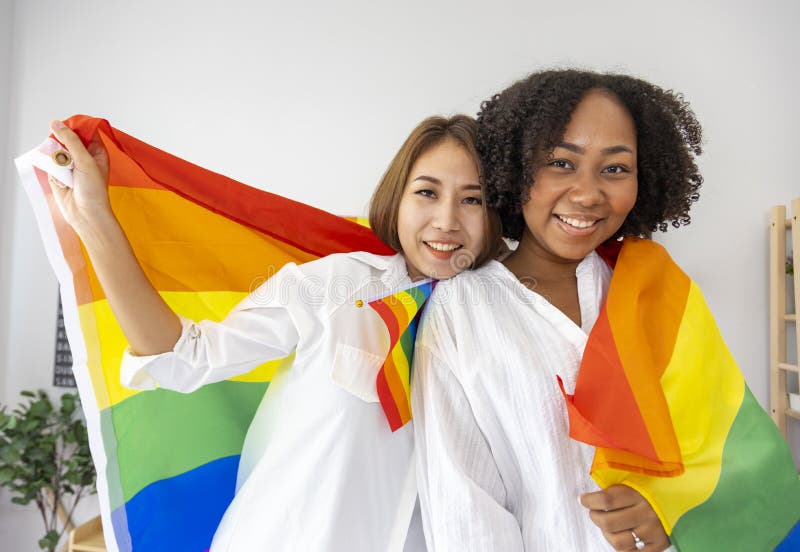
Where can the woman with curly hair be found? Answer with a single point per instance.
(572, 161)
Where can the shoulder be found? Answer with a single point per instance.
(330, 280)
(341, 279)
(358, 262)
(595, 263)
(472, 287)
(456, 303)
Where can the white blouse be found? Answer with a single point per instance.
(320, 469)
(496, 467)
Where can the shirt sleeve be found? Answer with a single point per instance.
(461, 492)
(266, 325)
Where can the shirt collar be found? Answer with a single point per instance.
(393, 267)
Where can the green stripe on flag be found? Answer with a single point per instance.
(162, 433)
(757, 498)
(418, 295)
(112, 462)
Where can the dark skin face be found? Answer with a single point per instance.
(581, 195)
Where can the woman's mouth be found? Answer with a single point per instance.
(442, 250)
(577, 226)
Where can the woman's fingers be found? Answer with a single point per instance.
(98, 152)
(618, 511)
(91, 161)
(61, 195)
(612, 498)
(624, 540)
(73, 143)
(87, 200)
(58, 189)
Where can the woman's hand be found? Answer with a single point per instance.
(87, 201)
(146, 320)
(625, 516)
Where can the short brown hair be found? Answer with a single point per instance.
(385, 202)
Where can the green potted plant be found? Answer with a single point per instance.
(44, 458)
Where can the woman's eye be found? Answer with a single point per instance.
(560, 164)
(616, 169)
(473, 201)
(425, 193)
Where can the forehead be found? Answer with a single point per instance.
(447, 155)
(600, 116)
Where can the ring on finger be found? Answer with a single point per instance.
(637, 542)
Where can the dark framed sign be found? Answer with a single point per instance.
(62, 368)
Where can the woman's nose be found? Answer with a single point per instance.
(587, 190)
(446, 217)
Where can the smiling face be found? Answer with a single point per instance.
(440, 220)
(582, 193)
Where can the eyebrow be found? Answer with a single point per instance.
(430, 179)
(606, 151)
(434, 180)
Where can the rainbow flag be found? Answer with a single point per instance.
(660, 396)
(166, 461)
(400, 311)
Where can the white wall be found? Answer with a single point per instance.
(311, 101)
(7, 178)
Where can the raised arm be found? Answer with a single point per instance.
(149, 325)
(461, 492)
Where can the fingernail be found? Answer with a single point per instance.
(53, 180)
(58, 125)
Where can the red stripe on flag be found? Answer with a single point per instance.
(601, 376)
(396, 387)
(389, 407)
(314, 231)
(389, 319)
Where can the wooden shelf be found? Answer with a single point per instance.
(789, 367)
(87, 538)
(793, 413)
(780, 316)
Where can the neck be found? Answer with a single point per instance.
(414, 274)
(532, 261)
(547, 274)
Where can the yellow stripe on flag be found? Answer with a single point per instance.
(209, 305)
(693, 393)
(403, 370)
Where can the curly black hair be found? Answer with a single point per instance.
(528, 119)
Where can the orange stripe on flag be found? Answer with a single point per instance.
(601, 371)
(625, 357)
(648, 286)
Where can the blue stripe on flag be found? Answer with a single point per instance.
(158, 516)
(791, 542)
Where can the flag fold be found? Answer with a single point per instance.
(660, 396)
(166, 461)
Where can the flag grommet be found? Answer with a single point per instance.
(62, 158)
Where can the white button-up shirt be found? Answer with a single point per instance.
(497, 470)
(320, 469)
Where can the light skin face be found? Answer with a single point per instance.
(583, 192)
(440, 220)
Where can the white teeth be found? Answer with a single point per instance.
(577, 223)
(443, 246)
